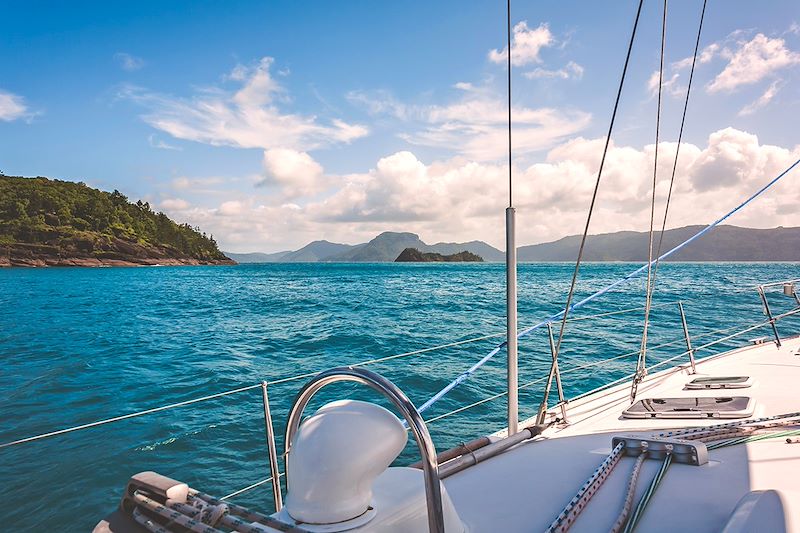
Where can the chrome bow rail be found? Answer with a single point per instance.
(433, 492)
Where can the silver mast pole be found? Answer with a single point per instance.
(511, 272)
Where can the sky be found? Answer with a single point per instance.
(272, 124)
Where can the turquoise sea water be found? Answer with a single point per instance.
(78, 345)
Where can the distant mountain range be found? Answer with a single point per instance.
(724, 243)
(383, 248)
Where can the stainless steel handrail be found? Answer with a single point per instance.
(433, 493)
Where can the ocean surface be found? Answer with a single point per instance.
(79, 345)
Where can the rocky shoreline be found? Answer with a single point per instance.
(116, 252)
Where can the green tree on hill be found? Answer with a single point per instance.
(44, 211)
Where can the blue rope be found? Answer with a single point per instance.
(466, 374)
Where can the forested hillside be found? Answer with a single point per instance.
(44, 221)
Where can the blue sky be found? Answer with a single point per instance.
(271, 124)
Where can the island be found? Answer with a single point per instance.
(412, 255)
(47, 222)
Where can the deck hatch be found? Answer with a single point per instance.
(720, 382)
(708, 407)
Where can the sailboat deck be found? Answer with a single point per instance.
(542, 475)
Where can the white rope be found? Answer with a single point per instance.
(626, 506)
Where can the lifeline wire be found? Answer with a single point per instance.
(466, 374)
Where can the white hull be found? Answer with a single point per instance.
(525, 488)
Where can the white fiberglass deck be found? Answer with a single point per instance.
(525, 488)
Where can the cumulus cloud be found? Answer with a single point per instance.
(248, 117)
(129, 62)
(761, 101)
(526, 45)
(475, 124)
(12, 107)
(296, 172)
(461, 199)
(174, 204)
(751, 62)
(231, 208)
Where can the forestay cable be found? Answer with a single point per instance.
(574, 281)
(641, 363)
(680, 138)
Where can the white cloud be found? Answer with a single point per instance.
(708, 53)
(246, 118)
(184, 183)
(129, 62)
(476, 124)
(383, 103)
(668, 86)
(12, 107)
(155, 142)
(570, 70)
(762, 100)
(231, 208)
(753, 61)
(526, 44)
(174, 204)
(748, 61)
(296, 172)
(458, 199)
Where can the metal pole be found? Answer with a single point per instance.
(511, 322)
(686, 336)
(277, 498)
(511, 269)
(769, 315)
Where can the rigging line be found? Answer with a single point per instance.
(467, 373)
(508, 30)
(680, 138)
(641, 364)
(596, 186)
